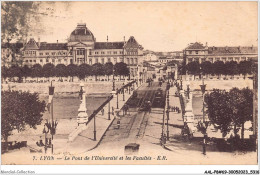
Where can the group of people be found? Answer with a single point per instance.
(149, 81)
(175, 109)
(41, 144)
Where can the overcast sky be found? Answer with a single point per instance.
(158, 26)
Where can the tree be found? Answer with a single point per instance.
(84, 70)
(16, 19)
(4, 72)
(18, 110)
(218, 111)
(245, 109)
(108, 69)
(72, 70)
(231, 68)
(206, 67)
(193, 68)
(36, 71)
(182, 68)
(245, 67)
(121, 69)
(48, 70)
(15, 71)
(97, 69)
(230, 109)
(26, 71)
(61, 71)
(219, 68)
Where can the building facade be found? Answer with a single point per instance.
(83, 48)
(198, 52)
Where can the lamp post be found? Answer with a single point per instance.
(109, 110)
(188, 91)
(51, 125)
(45, 134)
(117, 98)
(181, 83)
(167, 112)
(123, 92)
(113, 87)
(162, 135)
(95, 131)
(204, 126)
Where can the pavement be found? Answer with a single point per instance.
(85, 140)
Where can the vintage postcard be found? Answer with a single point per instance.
(129, 83)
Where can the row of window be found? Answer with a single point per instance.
(91, 61)
(30, 52)
(131, 53)
(80, 52)
(224, 59)
(46, 53)
(108, 52)
(47, 60)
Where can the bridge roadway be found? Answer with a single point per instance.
(133, 125)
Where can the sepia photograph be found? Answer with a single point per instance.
(129, 83)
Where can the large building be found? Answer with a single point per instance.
(83, 48)
(198, 52)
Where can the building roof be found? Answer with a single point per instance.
(109, 45)
(31, 45)
(195, 46)
(132, 43)
(232, 50)
(53, 46)
(81, 34)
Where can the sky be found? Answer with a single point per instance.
(157, 26)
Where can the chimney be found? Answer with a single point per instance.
(107, 38)
(39, 42)
(124, 39)
(57, 41)
(206, 44)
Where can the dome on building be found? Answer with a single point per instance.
(81, 34)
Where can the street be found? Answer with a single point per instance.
(134, 125)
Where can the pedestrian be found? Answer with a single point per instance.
(112, 110)
(149, 106)
(102, 111)
(118, 124)
(126, 109)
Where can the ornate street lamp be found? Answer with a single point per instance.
(117, 98)
(113, 87)
(45, 134)
(109, 110)
(95, 131)
(162, 135)
(167, 112)
(181, 83)
(203, 126)
(123, 91)
(52, 129)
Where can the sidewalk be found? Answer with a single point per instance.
(85, 140)
(175, 120)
